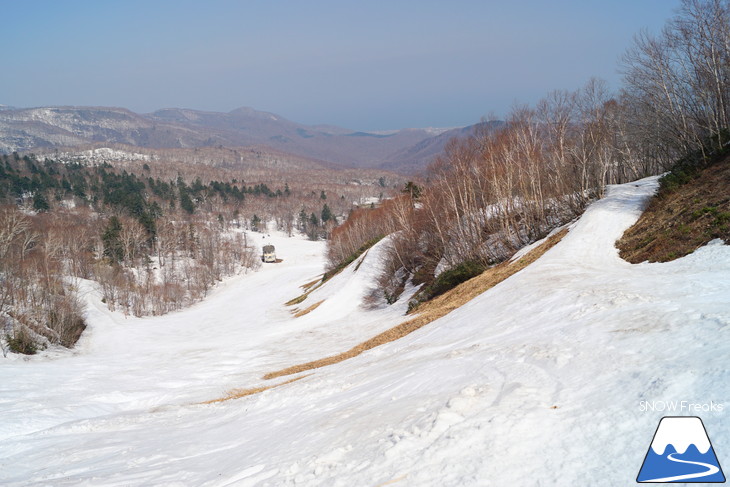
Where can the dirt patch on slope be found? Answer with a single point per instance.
(298, 313)
(308, 289)
(678, 221)
(239, 393)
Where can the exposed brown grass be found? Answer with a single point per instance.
(308, 289)
(362, 259)
(296, 300)
(298, 313)
(239, 393)
(677, 222)
(432, 310)
(394, 481)
(310, 284)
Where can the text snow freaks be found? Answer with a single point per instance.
(681, 407)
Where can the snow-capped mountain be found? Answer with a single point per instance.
(45, 127)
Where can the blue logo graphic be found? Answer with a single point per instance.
(681, 452)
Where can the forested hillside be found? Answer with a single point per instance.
(499, 190)
(154, 244)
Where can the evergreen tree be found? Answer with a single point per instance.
(413, 189)
(111, 238)
(313, 227)
(255, 222)
(186, 203)
(302, 220)
(326, 214)
(147, 220)
(40, 203)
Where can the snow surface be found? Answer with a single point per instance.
(538, 381)
(530, 247)
(104, 154)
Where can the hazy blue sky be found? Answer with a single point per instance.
(365, 65)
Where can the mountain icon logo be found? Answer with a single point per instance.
(681, 452)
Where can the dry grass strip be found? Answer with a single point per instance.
(308, 285)
(308, 288)
(298, 313)
(394, 481)
(296, 300)
(434, 309)
(362, 259)
(239, 393)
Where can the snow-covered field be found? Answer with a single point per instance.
(103, 154)
(540, 381)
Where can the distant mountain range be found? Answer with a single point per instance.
(407, 150)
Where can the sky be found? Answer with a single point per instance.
(374, 65)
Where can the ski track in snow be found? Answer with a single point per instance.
(535, 382)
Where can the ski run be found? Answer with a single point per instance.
(540, 381)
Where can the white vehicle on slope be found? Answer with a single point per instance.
(268, 254)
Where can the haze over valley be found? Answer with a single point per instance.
(407, 150)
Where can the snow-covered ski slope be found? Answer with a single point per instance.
(538, 381)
